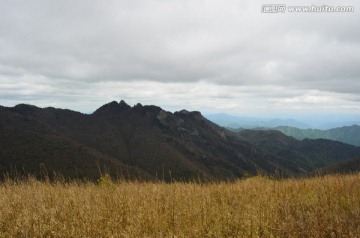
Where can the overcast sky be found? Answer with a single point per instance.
(207, 55)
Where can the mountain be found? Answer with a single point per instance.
(31, 145)
(345, 134)
(308, 154)
(143, 142)
(148, 143)
(231, 121)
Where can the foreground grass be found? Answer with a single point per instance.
(256, 207)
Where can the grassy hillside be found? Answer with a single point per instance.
(257, 207)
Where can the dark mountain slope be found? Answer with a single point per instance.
(30, 146)
(147, 142)
(309, 154)
(183, 145)
(213, 142)
(184, 142)
(348, 166)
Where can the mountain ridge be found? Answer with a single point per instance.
(345, 134)
(139, 142)
(313, 154)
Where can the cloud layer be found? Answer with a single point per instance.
(203, 55)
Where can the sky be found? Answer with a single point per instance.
(208, 55)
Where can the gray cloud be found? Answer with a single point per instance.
(59, 51)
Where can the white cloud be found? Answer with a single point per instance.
(202, 55)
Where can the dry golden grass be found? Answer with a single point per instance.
(256, 207)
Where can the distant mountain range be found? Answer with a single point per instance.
(346, 134)
(235, 122)
(307, 153)
(148, 143)
(243, 122)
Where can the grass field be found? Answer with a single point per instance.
(256, 207)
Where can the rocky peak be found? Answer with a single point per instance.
(191, 115)
(197, 115)
(113, 107)
(123, 104)
(184, 112)
(25, 108)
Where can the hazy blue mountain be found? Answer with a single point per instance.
(231, 121)
(345, 134)
(320, 122)
(325, 125)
